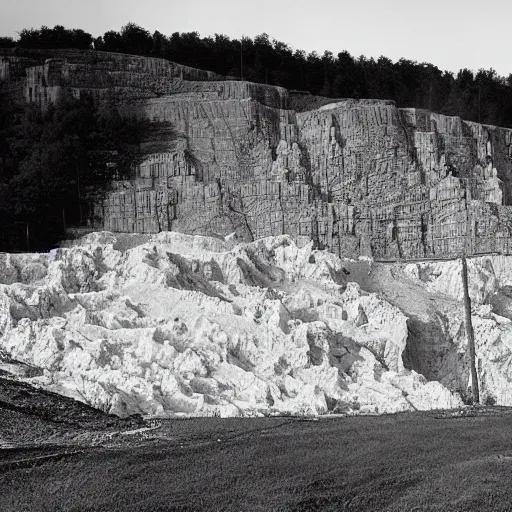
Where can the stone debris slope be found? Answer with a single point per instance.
(429, 293)
(176, 324)
(442, 342)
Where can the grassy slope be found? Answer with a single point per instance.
(391, 463)
(29, 415)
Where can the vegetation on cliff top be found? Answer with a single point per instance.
(49, 160)
(482, 96)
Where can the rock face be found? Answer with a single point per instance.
(356, 177)
(173, 323)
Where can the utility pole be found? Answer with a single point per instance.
(479, 87)
(479, 99)
(241, 58)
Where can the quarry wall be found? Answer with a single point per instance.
(358, 177)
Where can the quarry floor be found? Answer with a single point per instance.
(431, 461)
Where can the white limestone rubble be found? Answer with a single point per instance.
(176, 324)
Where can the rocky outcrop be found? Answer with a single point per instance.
(200, 326)
(356, 177)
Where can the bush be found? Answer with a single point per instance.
(490, 400)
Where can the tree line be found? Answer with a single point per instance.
(481, 96)
(51, 161)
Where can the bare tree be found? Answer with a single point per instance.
(469, 324)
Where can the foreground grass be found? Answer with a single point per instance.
(401, 462)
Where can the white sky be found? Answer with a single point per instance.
(450, 34)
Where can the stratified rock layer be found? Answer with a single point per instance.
(174, 323)
(356, 177)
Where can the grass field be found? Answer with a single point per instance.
(406, 462)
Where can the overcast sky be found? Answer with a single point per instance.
(451, 34)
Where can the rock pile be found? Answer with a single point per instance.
(201, 326)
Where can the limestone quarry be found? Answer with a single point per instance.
(357, 177)
(264, 260)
